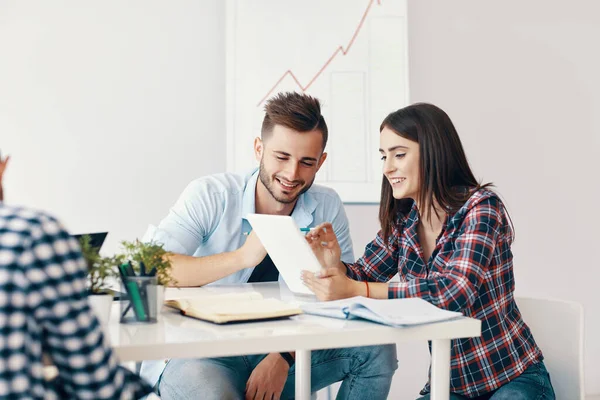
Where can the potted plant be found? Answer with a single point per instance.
(101, 270)
(151, 259)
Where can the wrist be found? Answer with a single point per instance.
(276, 361)
(287, 357)
(358, 289)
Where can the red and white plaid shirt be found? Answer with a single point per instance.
(471, 271)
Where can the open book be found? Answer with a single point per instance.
(233, 307)
(394, 312)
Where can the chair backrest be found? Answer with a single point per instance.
(557, 327)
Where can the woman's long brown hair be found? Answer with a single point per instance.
(445, 174)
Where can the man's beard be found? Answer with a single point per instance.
(269, 183)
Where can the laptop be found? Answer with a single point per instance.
(96, 239)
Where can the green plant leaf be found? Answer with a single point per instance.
(153, 255)
(100, 269)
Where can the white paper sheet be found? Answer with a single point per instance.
(287, 247)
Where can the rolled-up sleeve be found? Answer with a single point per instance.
(189, 221)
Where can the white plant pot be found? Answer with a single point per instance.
(101, 305)
(160, 297)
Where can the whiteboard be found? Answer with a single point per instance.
(351, 54)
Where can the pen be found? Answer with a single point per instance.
(123, 272)
(127, 269)
(136, 300)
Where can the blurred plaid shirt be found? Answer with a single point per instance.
(44, 310)
(471, 271)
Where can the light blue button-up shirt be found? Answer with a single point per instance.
(209, 218)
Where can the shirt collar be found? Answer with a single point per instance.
(412, 219)
(305, 207)
(303, 211)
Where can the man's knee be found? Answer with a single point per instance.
(192, 379)
(382, 357)
(178, 391)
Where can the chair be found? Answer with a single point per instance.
(557, 327)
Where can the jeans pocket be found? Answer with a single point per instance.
(536, 374)
(545, 375)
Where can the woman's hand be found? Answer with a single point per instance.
(331, 284)
(324, 244)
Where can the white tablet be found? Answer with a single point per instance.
(287, 247)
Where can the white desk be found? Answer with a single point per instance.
(176, 336)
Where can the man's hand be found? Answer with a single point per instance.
(268, 378)
(252, 252)
(3, 165)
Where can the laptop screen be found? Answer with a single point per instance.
(96, 239)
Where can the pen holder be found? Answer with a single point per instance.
(139, 303)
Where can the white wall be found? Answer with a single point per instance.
(520, 80)
(110, 110)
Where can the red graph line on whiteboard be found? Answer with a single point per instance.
(340, 49)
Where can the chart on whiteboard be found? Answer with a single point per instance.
(350, 54)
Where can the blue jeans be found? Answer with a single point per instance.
(533, 384)
(366, 373)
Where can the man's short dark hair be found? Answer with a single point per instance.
(297, 111)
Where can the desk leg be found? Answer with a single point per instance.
(303, 374)
(440, 369)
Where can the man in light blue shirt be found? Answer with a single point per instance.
(213, 243)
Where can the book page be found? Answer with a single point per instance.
(397, 312)
(412, 311)
(229, 307)
(223, 312)
(263, 306)
(203, 301)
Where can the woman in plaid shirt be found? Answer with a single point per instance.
(449, 239)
